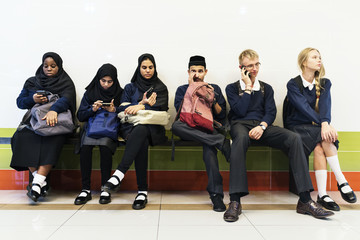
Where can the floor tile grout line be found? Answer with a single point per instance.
(257, 230)
(66, 220)
(158, 226)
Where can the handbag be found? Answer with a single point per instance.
(146, 117)
(64, 123)
(103, 124)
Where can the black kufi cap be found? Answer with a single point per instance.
(197, 61)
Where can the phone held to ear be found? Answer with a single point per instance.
(246, 72)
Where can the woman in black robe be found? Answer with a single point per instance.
(146, 91)
(104, 88)
(30, 150)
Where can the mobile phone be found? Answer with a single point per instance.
(149, 92)
(242, 67)
(106, 104)
(41, 92)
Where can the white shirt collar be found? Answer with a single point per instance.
(256, 86)
(306, 84)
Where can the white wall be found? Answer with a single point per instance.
(89, 33)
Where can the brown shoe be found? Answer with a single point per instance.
(233, 212)
(312, 208)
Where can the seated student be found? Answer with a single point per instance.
(104, 88)
(140, 136)
(251, 116)
(310, 116)
(211, 142)
(40, 153)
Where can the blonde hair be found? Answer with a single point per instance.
(302, 58)
(249, 53)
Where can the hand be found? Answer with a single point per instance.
(245, 78)
(51, 118)
(150, 101)
(96, 105)
(256, 133)
(40, 98)
(110, 108)
(134, 109)
(328, 133)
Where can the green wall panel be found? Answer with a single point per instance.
(190, 158)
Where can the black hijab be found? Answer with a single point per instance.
(96, 92)
(144, 84)
(60, 83)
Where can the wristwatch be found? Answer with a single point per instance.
(263, 127)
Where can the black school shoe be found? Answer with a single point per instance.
(105, 199)
(44, 190)
(218, 203)
(108, 186)
(328, 205)
(350, 197)
(140, 204)
(82, 200)
(33, 195)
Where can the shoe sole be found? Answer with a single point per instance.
(353, 201)
(318, 217)
(219, 209)
(139, 208)
(32, 197)
(82, 203)
(104, 202)
(231, 220)
(115, 189)
(329, 208)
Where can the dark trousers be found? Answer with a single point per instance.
(86, 164)
(136, 150)
(275, 137)
(210, 143)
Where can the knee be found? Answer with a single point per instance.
(319, 151)
(240, 139)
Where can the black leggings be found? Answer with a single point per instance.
(136, 150)
(86, 164)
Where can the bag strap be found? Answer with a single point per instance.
(299, 83)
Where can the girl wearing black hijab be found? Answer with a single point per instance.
(104, 88)
(146, 91)
(31, 151)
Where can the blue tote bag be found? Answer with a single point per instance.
(103, 124)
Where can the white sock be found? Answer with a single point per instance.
(119, 174)
(335, 167)
(106, 194)
(83, 194)
(321, 179)
(141, 197)
(38, 179)
(34, 173)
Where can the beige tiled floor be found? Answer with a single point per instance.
(169, 215)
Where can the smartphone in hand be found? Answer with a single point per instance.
(105, 104)
(149, 92)
(41, 93)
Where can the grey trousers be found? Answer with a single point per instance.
(210, 144)
(275, 137)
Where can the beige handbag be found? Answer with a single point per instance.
(146, 117)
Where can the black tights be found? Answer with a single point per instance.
(137, 150)
(86, 164)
